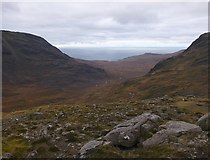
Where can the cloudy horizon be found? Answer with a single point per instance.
(106, 25)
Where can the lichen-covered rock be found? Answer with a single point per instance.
(173, 130)
(131, 132)
(203, 122)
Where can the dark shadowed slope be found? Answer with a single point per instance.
(34, 69)
(31, 59)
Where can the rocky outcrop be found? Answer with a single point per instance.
(126, 134)
(203, 122)
(172, 130)
(131, 132)
(145, 131)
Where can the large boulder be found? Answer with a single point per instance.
(172, 130)
(140, 120)
(203, 122)
(123, 136)
(133, 131)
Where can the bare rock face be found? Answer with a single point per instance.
(172, 129)
(129, 133)
(203, 122)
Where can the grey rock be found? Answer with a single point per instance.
(65, 133)
(176, 127)
(123, 136)
(140, 120)
(173, 130)
(60, 114)
(32, 154)
(7, 155)
(57, 138)
(50, 126)
(129, 133)
(59, 130)
(83, 153)
(160, 137)
(37, 115)
(203, 122)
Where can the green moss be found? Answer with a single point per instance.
(191, 106)
(16, 146)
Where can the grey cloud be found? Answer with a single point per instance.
(10, 7)
(63, 23)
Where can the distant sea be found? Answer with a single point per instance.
(113, 53)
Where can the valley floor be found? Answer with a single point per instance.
(61, 130)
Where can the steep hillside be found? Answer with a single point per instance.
(184, 74)
(131, 67)
(181, 75)
(31, 59)
(34, 69)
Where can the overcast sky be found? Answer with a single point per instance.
(109, 24)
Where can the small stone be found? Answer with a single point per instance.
(32, 154)
(57, 138)
(65, 133)
(7, 155)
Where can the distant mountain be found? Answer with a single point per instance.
(131, 67)
(184, 74)
(31, 59)
(31, 64)
(181, 75)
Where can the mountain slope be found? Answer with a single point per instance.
(131, 67)
(184, 74)
(34, 68)
(181, 75)
(31, 59)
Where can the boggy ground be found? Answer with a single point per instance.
(61, 130)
